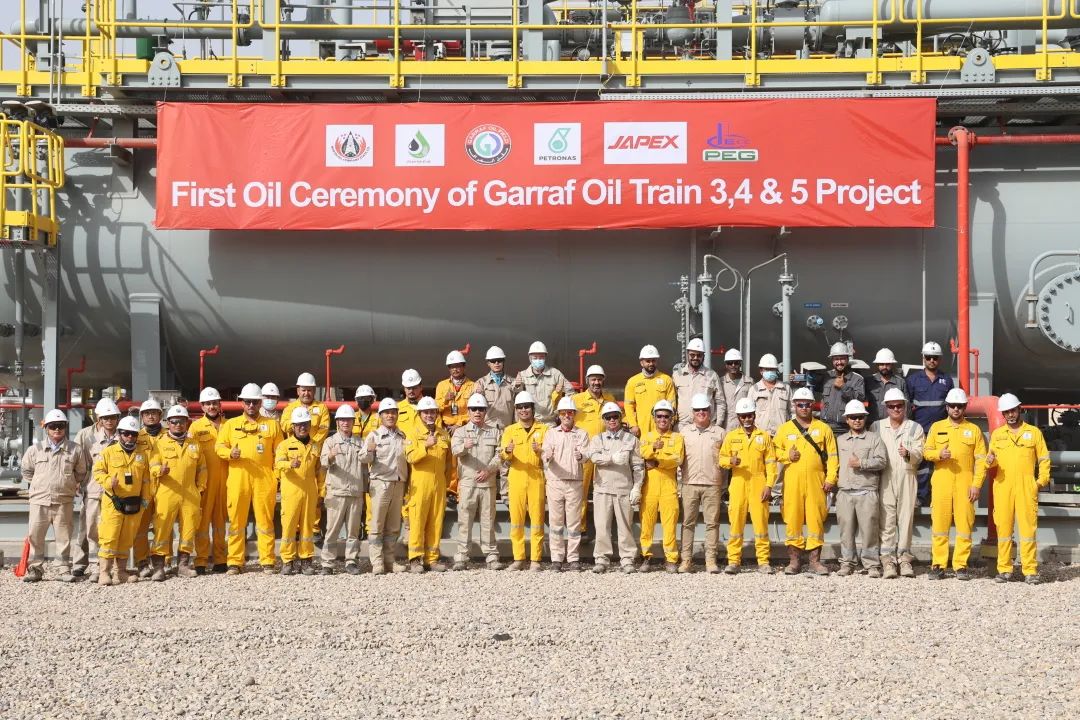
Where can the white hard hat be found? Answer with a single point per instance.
(700, 401)
(54, 416)
(803, 394)
(270, 390)
(537, 348)
(768, 360)
(884, 355)
(566, 403)
(524, 398)
(1008, 401)
(345, 412)
(476, 400)
(839, 349)
(595, 370)
(177, 411)
(956, 396)
(151, 404)
(732, 355)
(662, 405)
(610, 407)
(250, 392)
(454, 357)
(696, 344)
(387, 404)
(931, 348)
(410, 378)
(300, 415)
(495, 353)
(209, 394)
(649, 352)
(129, 424)
(426, 403)
(106, 407)
(364, 391)
(745, 406)
(854, 407)
(305, 380)
(894, 395)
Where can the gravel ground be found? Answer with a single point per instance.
(517, 645)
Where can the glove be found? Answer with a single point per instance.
(620, 457)
(635, 498)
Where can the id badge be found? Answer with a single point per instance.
(259, 448)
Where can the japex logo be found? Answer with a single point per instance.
(420, 145)
(645, 143)
(350, 146)
(726, 146)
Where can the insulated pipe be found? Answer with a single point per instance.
(706, 318)
(202, 364)
(787, 289)
(103, 143)
(331, 351)
(961, 137)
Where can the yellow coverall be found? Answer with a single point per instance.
(756, 471)
(409, 422)
(1016, 491)
(804, 497)
(641, 394)
(214, 499)
(588, 419)
(301, 488)
(429, 467)
(116, 531)
(320, 421)
(450, 420)
(147, 444)
(660, 491)
(178, 493)
(251, 483)
(949, 487)
(525, 481)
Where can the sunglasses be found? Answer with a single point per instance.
(747, 415)
(56, 426)
(500, 361)
(928, 358)
(857, 418)
(733, 362)
(128, 433)
(523, 407)
(895, 406)
(955, 406)
(665, 416)
(611, 416)
(250, 402)
(803, 404)
(477, 409)
(175, 421)
(701, 410)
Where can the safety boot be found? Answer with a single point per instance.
(66, 576)
(288, 567)
(1033, 579)
(963, 574)
(104, 576)
(94, 572)
(158, 572)
(556, 566)
(184, 567)
(794, 566)
(765, 569)
(846, 569)
(517, 565)
(416, 566)
(629, 569)
(906, 569)
(535, 566)
(307, 567)
(233, 570)
(574, 566)
(352, 568)
(494, 564)
(121, 574)
(145, 570)
(438, 566)
(326, 570)
(686, 565)
(220, 568)
(731, 569)
(600, 567)
(459, 565)
(935, 573)
(33, 574)
(378, 568)
(873, 571)
(712, 567)
(815, 565)
(671, 568)
(890, 571)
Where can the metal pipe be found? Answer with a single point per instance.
(1065, 457)
(962, 138)
(581, 363)
(103, 143)
(787, 289)
(706, 320)
(74, 371)
(202, 364)
(1030, 296)
(331, 351)
(746, 340)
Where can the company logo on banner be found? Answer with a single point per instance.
(644, 143)
(350, 145)
(420, 145)
(487, 144)
(726, 146)
(557, 144)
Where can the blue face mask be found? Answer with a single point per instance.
(269, 404)
(770, 375)
(537, 364)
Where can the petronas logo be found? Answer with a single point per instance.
(559, 140)
(419, 147)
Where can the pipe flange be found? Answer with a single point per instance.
(1058, 311)
(163, 71)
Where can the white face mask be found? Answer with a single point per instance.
(770, 375)
(269, 404)
(537, 364)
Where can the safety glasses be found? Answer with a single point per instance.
(175, 421)
(56, 426)
(953, 406)
(523, 407)
(803, 405)
(895, 406)
(128, 433)
(663, 416)
(611, 416)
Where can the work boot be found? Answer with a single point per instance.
(307, 567)
(517, 565)
(200, 570)
(94, 572)
(221, 568)
(438, 566)
(600, 567)
(686, 566)
(574, 566)
(378, 568)
(711, 567)
(629, 569)
(765, 569)
(815, 565)
(556, 566)
(935, 573)
(535, 566)
(157, 564)
(352, 568)
(794, 566)
(1033, 579)
(416, 566)
(233, 570)
(184, 567)
(646, 565)
(873, 571)
(494, 564)
(890, 571)
(66, 576)
(671, 568)
(33, 574)
(145, 569)
(104, 574)
(845, 570)
(78, 572)
(731, 569)
(460, 565)
(326, 570)
(121, 574)
(963, 574)
(288, 567)
(1001, 578)
(906, 569)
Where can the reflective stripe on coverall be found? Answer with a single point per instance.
(950, 483)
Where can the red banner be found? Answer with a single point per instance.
(547, 166)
